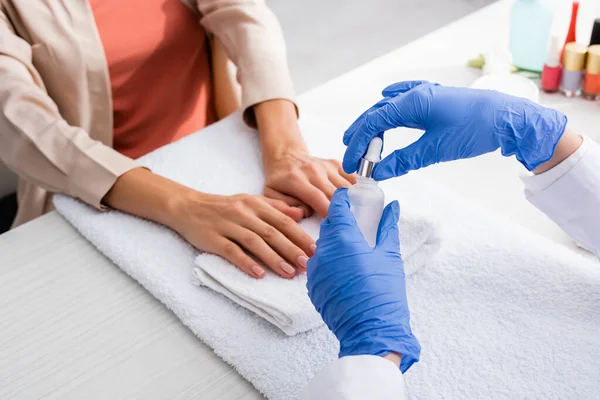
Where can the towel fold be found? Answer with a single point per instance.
(284, 302)
(500, 312)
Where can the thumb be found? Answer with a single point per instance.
(401, 87)
(421, 153)
(339, 208)
(352, 129)
(387, 233)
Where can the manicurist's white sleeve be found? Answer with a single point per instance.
(357, 377)
(569, 194)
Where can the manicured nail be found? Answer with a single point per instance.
(302, 260)
(287, 268)
(258, 270)
(313, 248)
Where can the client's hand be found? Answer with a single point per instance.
(232, 226)
(458, 123)
(291, 173)
(228, 226)
(360, 291)
(299, 179)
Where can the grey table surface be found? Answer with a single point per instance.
(74, 326)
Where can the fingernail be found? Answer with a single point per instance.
(313, 248)
(258, 270)
(302, 260)
(287, 268)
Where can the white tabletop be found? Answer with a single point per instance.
(73, 326)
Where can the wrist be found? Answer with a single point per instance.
(395, 358)
(567, 145)
(393, 339)
(278, 128)
(536, 141)
(145, 194)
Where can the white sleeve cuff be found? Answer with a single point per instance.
(357, 377)
(570, 195)
(535, 184)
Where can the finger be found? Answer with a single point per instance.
(387, 233)
(389, 116)
(340, 220)
(296, 213)
(339, 209)
(254, 244)
(304, 190)
(339, 181)
(235, 255)
(349, 177)
(324, 185)
(289, 228)
(352, 128)
(401, 87)
(278, 241)
(282, 203)
(421, 153)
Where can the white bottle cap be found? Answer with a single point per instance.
(374, 150)
(554, 50)
(371, 157)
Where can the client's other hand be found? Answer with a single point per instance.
(300, 179)
(360, 291)
(243, 228)
(291, 173)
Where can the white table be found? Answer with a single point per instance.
(73, 326)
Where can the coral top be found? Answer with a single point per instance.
(159, 65)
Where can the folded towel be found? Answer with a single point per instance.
(500, 312)
(284, 302)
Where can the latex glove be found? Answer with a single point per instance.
(360, 291)
(458, 123)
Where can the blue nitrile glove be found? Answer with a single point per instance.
(458, 123)
(359, 290)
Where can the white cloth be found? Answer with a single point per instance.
(573, 186)
(477, 307)
(570, 195)
(357, 377)
(284, 302)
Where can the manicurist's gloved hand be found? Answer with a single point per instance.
(458, 123)
(360, 291)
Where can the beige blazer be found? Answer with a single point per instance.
(56, 120)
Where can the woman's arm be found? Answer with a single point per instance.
(36, 142)
(224, 225)
(252, 38)
(228, 93)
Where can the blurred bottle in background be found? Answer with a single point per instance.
(530, 25)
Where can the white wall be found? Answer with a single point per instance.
(8, 180)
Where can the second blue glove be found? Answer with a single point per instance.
(360, 291)
(458, 123)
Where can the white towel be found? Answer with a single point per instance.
(284, 302)
(500, 312)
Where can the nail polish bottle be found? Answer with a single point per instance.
(552, 72)
(572, 32)
(573, 67)
(595, 38)
(366, 197)
(591, 83)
